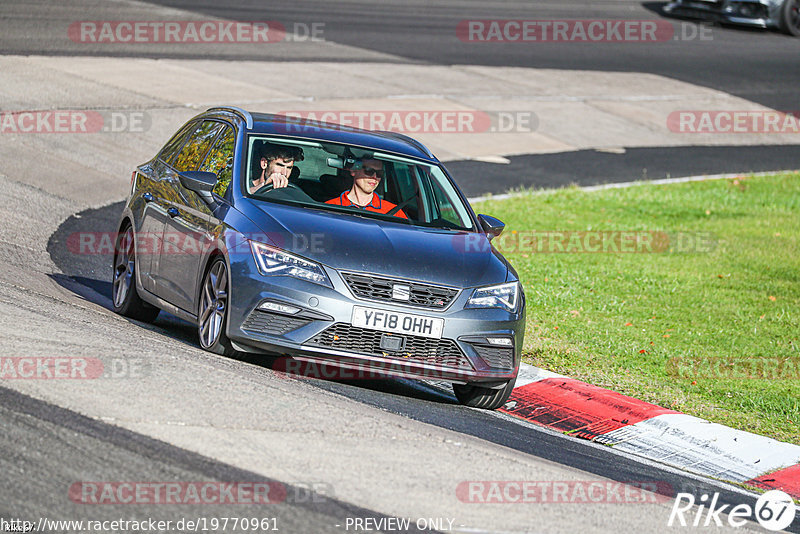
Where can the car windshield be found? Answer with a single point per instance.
(355, 180)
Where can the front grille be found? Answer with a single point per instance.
(497, 357)
(262, 322)
(378, 288)
(439, 352)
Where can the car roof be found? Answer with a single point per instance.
(282, 125)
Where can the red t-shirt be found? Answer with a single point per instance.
(377, 204)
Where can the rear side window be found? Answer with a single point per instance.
(196, 148)
(220, 160)
(175, 144)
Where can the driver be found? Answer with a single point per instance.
(277, 163)
(366, 178)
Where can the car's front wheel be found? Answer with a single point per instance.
(214, 310)
(790, 17)
(124, 297)
(482, 397)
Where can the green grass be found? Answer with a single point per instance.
(659, 325)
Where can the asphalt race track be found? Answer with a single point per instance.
(592, 167)
(331, 452)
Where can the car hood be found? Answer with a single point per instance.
(350, 242)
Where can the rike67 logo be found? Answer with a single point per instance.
(774, 510)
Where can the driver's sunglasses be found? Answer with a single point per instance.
(369, 171)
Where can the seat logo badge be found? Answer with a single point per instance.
(400, 292)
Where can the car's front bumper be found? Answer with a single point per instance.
(755, 13)
(323, 332)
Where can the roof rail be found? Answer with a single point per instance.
(248, 119)
(409, 140)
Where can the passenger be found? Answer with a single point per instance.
(366, 178)
(277, 163)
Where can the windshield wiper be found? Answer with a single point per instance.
(448, 228)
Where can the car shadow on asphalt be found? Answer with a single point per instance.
(82, 248)
(353, 384)
(98, 292)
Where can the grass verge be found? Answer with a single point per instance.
(685, 295)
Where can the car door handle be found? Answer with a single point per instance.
(173, 212)
(148, 197)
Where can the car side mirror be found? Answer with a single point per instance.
(201, 182)
(493, 227)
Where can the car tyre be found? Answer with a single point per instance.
(125, 297)
(790, 17)
(213, 311)
(482, 397)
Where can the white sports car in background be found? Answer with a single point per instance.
(781, 14)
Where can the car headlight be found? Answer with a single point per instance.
(273, 261)
(503, 296)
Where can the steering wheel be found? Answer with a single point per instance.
(269, 187)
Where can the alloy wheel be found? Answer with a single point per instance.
(213, 304)
(124, 265)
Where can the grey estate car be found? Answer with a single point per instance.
(278, 271)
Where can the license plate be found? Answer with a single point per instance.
(401, 323)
